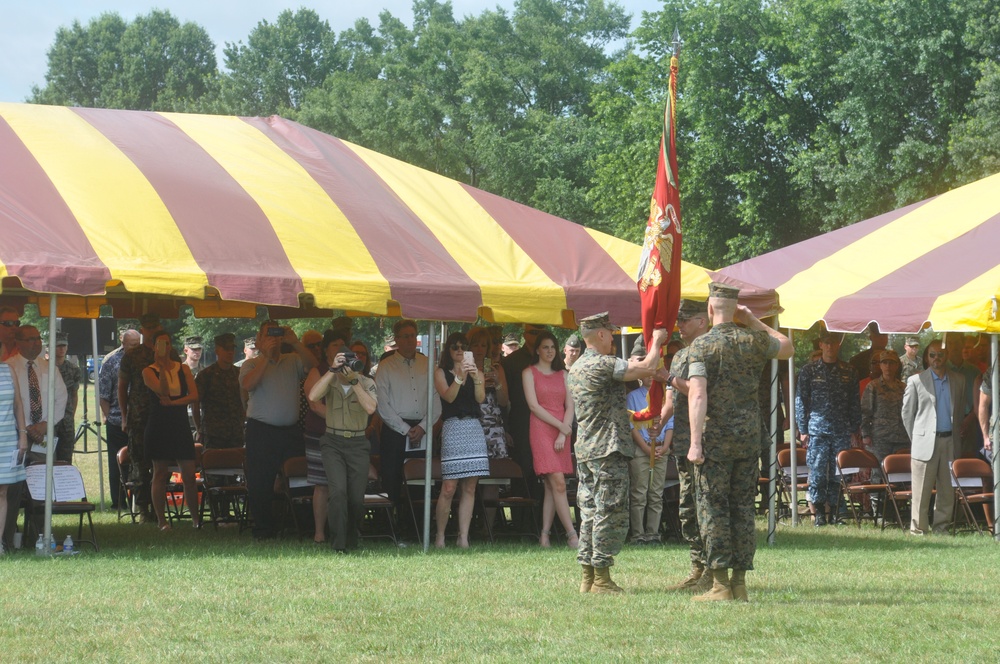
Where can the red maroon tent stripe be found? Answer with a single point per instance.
(43, 243)
(568, 255)
(245, 261)
(943, 269)
(422, 274)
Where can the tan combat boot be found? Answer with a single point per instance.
(704, 584)
(588, 579)
(739, 585)
(697, 571)
(603, 582)
(721, 589)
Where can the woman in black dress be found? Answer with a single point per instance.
(168, 434)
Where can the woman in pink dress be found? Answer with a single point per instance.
(551, 426)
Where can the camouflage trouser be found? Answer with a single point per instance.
(687, 510)
(821, 457)
(602, 497)
(725, 492)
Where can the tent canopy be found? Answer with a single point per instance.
(148, 211)
(931, 262)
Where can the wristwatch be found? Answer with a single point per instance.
(354, 381)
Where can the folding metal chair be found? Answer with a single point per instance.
(973, 483)
(225, 486)
(377, 502)
(899, 485)
(297, 493)
(785, 477)
(513, 494)
(852, 464)
(69, 498)
(126, 487)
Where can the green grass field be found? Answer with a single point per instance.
(837, 594)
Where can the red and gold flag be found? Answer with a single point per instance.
(659, 276)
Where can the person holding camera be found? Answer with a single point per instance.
(168, 434)
(272, 381)
(350, 398)
(463, 445)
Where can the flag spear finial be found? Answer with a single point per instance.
(677, 42)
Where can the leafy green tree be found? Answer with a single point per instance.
(153, 63)
(280, 62)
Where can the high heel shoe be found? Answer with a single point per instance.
(543, 540)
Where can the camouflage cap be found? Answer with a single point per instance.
(250, 342)
(639, 347)
(888, 355)
(721, 290)
(597, 322)
(62, 339)
(574, 341)
(913, 341)
(512, 338)
(193, 342)
(225, 340)
(692, 308)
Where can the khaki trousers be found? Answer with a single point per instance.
(928, 475)
(645, 500)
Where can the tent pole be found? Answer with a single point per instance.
(995, 408)
(793, 438)
(772, 466)
(50, 426)
(429, 434)
(97, 407)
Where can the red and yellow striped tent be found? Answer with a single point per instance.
(931, 262)
(147, 211)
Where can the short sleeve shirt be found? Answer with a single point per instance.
(595, 381)
(275, 399)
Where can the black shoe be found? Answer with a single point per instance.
(819, 519)
(837, 521)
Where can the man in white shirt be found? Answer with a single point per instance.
(33, 381)
(401, 383)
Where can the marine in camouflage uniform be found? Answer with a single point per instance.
(724, 366)
(221, 415)
(65, 430)
(603, 449)
(882, 416)
(910, 367)
(827, 414)
(687, 508)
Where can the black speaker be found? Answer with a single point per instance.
(78, 330)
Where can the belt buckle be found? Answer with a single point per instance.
(347, 434)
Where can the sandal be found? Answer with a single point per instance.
(572, 541)
(543, 540)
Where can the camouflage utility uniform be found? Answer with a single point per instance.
(603, 449)
(222, 411)
(730, 358)
(687, 509)
(882, 419)
(66, 427)
(828, 410)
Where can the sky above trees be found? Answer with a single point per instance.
(28, 28)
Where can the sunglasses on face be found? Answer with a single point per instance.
(457, 346)
(10, 323)
(935, 355)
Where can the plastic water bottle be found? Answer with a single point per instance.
(68, 545)
(40, 546)
(52, 544)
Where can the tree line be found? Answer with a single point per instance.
(794, 116)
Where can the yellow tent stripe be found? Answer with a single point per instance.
(808, 295)
(310, 226)
(490, 258)
(103, 189)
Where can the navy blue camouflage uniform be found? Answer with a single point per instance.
(828, 410)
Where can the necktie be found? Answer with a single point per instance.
(34, 394)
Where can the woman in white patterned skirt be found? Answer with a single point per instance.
(13, 436)
(463, 446)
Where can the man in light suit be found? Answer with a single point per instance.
(932, 414)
